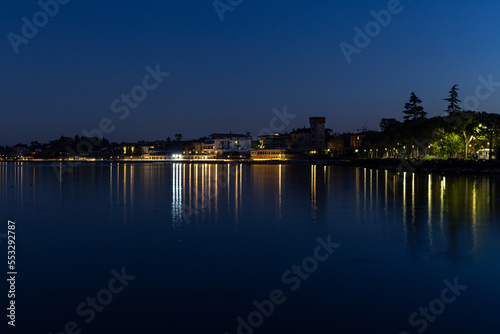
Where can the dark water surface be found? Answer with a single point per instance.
(205, 241)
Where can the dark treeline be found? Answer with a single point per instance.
(86, 146)
(460, 133)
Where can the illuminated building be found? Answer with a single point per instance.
(357, 140)
(221, 143)
(268, 154)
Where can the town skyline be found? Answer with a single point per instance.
(237, 166)
(211, 73)
(280, 121)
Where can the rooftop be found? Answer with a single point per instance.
(227, 135)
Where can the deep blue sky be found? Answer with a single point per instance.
(228, 76)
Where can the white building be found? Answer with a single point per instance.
(484, 154)
(221, 143)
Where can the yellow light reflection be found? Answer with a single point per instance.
(314, 207)
(429, 210)
(441, 215)
(404, 207)
(364, 192)
(474, 215)
(413, 217)
(279, 194)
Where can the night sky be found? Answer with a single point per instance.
(229, 75)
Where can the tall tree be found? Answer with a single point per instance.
(413, 109)
(453, 107)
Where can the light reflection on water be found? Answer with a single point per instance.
(209, 228)
(434, 211)
(436, 203)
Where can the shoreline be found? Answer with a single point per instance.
(451, 166)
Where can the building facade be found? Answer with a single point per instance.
(312, 138)
(317, 126)
(275, 141)
(357, 140)
(20, 149)
(267, 154)
(301, 139)
(221, 143)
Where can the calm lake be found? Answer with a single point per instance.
(236, 248)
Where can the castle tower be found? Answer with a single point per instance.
(317, 132)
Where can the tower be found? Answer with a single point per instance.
(317, 125)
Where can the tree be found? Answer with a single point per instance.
(453, 107)
(35, 145)
(413, 109)
(178, 136)
(489, 127)
(335, 144)
(468, 129)
(448, 144)
(387, 123)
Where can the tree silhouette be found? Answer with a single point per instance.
(387, 123)
(413, 109)
(453, 107)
